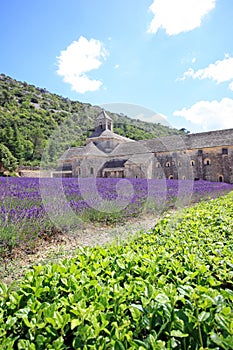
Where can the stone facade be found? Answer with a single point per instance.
(207, 156)
(35, 172)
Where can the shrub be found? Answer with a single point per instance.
(168, 288)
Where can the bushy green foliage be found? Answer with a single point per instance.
(169, 288)
(29, 116)
(8, 161)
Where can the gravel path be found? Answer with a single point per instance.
(65, 245)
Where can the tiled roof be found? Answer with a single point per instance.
(136, 150)
(72, 152)
(91, 149)
(162, 144)
(108, 134)
(219, 138)
(76, 152)
(210, 139)
(102, 115)
(139, 158)
(129, 148)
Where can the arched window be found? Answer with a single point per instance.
(168, 164)
(171, 177)
(183, 178)
(158, 165)
(179, 163)
(207, 161)
(220, 178)
(192, 162)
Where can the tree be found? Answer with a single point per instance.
(8, 161)
(9, 138)
(28, 150)
(18, 145)
(38, 144)
(5, 97)
(185, 130)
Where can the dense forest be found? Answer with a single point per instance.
(36, 123)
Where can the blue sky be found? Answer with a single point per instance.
(172, 57)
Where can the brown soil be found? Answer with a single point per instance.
(65, 245)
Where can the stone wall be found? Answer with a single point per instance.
(35, 173)
(210, 163)
(207, 156)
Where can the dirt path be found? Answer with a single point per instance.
(65, 245)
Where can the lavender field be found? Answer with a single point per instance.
(33, 207)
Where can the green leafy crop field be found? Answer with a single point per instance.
(168, 288)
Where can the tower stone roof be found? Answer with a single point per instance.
(103, 115)
(108, 135)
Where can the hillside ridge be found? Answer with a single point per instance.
(29, 115)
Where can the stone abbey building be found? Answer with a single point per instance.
(207, 156)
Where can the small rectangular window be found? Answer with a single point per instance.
(92, 171)
(224, 151)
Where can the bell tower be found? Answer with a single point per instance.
(103, 122)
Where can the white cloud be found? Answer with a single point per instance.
(209, 115)
(220, 71)
(117, 66)
(231, 86)
(177, 16)
(80, 57)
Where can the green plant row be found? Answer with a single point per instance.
(168, 288)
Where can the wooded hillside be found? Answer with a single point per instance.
(30, 116)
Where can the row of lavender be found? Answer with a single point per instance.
(29, 207)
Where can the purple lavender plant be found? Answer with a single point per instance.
(23, 210)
